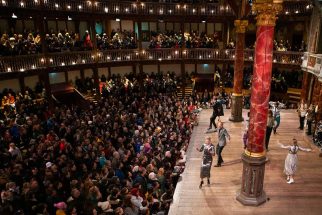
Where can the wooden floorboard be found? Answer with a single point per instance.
(302, 197)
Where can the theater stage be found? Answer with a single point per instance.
(302, 197)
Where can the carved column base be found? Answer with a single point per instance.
(237, 109)
(252, 193)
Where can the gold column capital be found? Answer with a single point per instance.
(241, 25)
(266, 11)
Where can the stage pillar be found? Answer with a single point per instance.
(237, 97)
(254, 157)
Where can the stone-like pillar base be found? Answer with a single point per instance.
(237, 109)
(252, 193)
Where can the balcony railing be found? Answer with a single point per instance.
(122, 8)
(313, 63)
(64, 59)
(144, 8)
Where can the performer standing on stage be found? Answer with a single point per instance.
(222, 141)
(217, 112)
(291, 160)
(208, 150)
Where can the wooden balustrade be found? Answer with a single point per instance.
(145, 8)
(33, 62)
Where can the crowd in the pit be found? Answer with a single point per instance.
(177, 40)
(31, 43)
(121, 156)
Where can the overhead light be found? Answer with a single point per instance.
(56, 6)
(106, 10)
(203, 21)
(14, 16)
(286, 12)
(9, 69)
(80, 7)
(3, 2)
(22, 4)
(68, 7)
(117, 19)
(69, 18)
(296, 11)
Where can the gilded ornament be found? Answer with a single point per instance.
(255, 154)
(241, 25)
(267, 13)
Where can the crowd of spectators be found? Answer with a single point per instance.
(20, 44)
(117, 40)
(31, 43)
(284, 45)
(65, 41)
(120, 156)
(176, 40)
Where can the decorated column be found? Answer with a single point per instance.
(237, 97)
(252, 192)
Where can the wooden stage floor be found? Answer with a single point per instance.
(302, 197)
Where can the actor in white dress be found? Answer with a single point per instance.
(291, 160)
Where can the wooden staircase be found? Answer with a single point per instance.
(294, 95)
(187, 91)
(91, 98)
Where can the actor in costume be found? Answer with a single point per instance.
(208, 150)
(222, 141)
(291, 160)
(217, 112)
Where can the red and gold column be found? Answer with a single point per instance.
(252, 192)
(237, 97)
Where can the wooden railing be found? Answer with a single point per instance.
(122, 7)
(63, 59)
(145, 8)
